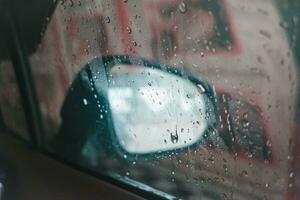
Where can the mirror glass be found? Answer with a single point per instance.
(155, 111)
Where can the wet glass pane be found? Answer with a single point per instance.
(246, 52)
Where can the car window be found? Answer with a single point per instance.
(12, 112)
(241, 49)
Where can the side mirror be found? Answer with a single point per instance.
(149, 108)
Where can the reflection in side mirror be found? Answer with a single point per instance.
(154, 111)
(133, 107)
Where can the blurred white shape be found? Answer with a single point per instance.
(118, 99)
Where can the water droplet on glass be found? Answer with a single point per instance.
(269, 144)
(265, 34)
(85, 102)
(107, 19)
(245, 124)
(128, 29)
(182, 7)
(71, 3)
(202, 89)
(244, 173)
(174, 137)
(134, 43)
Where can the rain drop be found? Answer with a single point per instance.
(128, 29)
(174, 137)
(107, 19)
(85, 102)
(71, 3)
(245, 124)
(244, 173)
(202, 89)
(182, 7)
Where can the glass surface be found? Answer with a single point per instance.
(11, 108)
(154, 111)
(248, 51)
